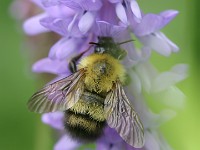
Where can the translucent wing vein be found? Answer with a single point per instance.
(58, 96)
(122, 117)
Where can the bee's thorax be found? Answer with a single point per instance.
(101, 70)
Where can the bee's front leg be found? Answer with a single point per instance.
(73, 61)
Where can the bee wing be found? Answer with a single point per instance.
(58, 96)
(122, 116)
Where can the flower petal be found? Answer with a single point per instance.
(154, 141)
(102, 144)
(65, 47)
(149, 24)
(86, 22)
(168, 15)
(115, 1)
(173, 46)
(137, 86)
(110, 140)
(56, 24)
(51, 66)
(106, 13)
(107, 29)
(151, 142)
(172, 97)
(180, 69)
(135, 9)
(66, 143)
(79, 5)
(146, 72)
(32, 25)
(90, 5)
(49, 3)
(121, 13)
(111, 135)
(160, 43)
(54, 119)
(167, 79)
(118, 146)
(166, 115)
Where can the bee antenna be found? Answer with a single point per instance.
(93, 43)
(125, 42)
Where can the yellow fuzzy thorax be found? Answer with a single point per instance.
(101, 70)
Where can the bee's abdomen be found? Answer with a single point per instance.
(82, 126)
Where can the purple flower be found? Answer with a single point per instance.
(79, 22)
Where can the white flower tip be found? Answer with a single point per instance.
(27, 26)
(45, 118)
(174, 12)
(86, 22)
(169, 13)
(136, 10)
(32, 25)
(66, 143)
(121, 13)
(36, 68)
(181, 69)
(174, 97)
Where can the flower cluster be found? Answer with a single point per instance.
(79, 22)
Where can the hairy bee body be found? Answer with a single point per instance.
(86, 119)
(101, 70)
(93, 96)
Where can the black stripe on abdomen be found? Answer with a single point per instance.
(82, 126)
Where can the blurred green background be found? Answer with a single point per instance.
(22, 130)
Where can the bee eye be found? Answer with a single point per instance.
(99, 49)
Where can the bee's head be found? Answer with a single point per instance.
(103, 46)
(106, 45)
(99, 49)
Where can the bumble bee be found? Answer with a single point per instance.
(93, 96)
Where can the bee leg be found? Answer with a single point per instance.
(73, 61)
